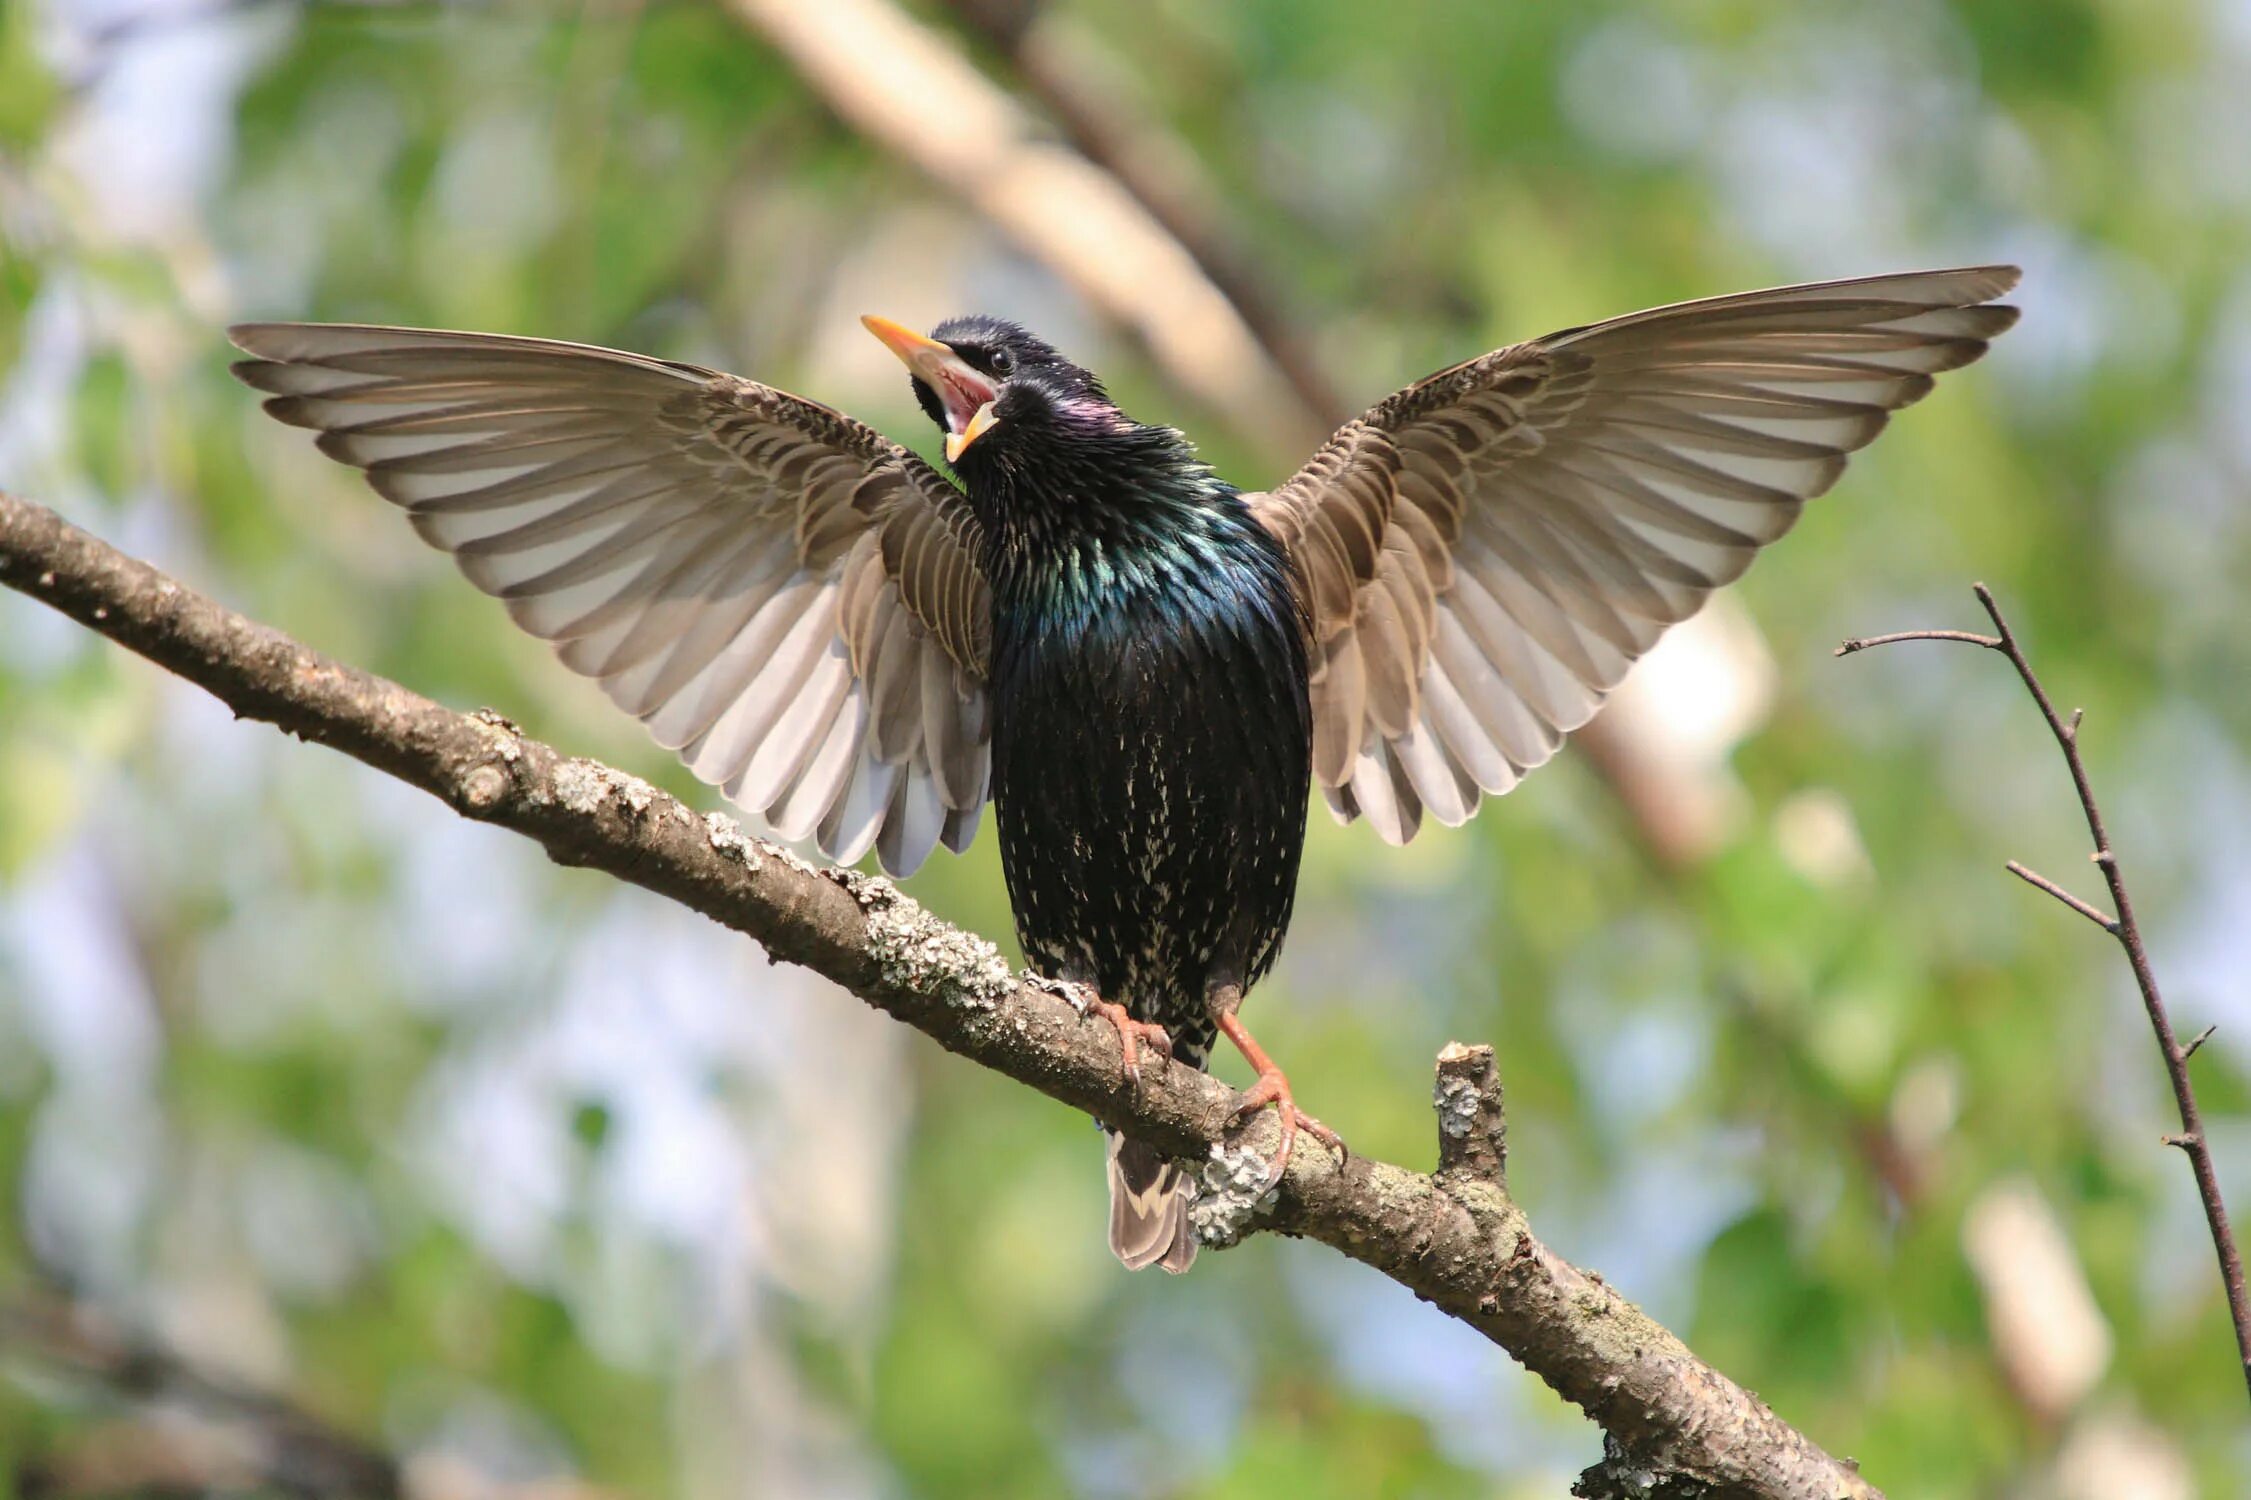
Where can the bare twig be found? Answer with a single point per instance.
(1862, 643)
(1460, 1241)
(2191, 1139)
(2087, 909)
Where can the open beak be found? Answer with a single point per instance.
(967, 393)
(981, 422)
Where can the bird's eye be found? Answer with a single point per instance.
(1002, 361)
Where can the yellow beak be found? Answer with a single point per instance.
(966, 391)
(981, 422)
(918, 352)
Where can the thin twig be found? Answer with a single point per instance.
(1967, 638)
(1470, 1253)
(2191, 1139)
(2087, 909)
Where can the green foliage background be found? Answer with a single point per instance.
(487, 1161)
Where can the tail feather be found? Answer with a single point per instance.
(1149, 1199)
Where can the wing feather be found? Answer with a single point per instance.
(790, 601)
(1485, 553)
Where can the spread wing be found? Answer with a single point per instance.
(783, 596)
(1486, 552)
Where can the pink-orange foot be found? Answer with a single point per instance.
(1273, 1087)
(1132, 1035)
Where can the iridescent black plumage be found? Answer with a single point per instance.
(1152, 735)
(1152, 738)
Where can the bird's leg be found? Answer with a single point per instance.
(1271, 1087)
(1132, 1034)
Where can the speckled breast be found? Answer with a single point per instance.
(1151, 761)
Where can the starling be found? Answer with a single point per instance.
(1145, 668)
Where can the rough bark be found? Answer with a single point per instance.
(1675, 1426)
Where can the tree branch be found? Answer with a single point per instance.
(2192, 1140)
(1457, 1240)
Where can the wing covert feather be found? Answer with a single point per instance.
(1486, 552)
(785, 597)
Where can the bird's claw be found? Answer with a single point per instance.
(1078, 993)
(1132, 1036)
(1273, 1087)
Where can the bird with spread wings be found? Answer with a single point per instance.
(806, 610)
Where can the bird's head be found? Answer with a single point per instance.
(998, 392)
(1058, 475)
